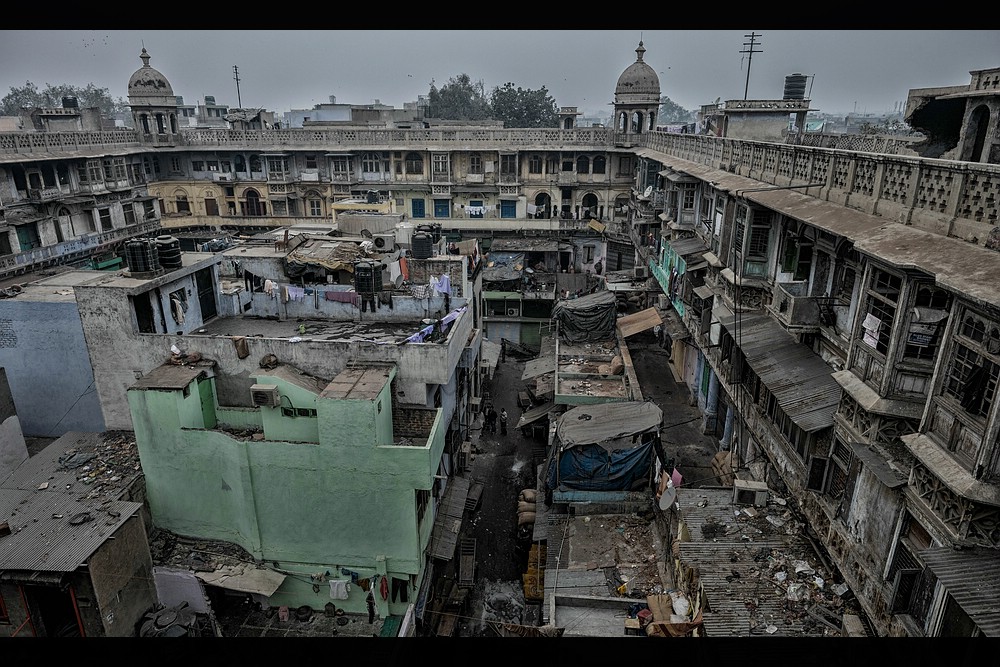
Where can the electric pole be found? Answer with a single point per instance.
(236, 76)
(749, 51)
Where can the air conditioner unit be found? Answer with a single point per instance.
(384, 242)
(265, 395)
(641, 272)
(512, 312)
(749, 492)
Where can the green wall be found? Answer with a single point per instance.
(346, 500)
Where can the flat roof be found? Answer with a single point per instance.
(359, 384)
(315, 329)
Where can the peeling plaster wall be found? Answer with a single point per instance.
(44, 352)
(108, 325)
(872, 520)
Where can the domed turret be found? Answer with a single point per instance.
(637, 97)
(148, 87)
(154, 106)
(638, 84)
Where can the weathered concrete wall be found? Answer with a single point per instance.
(108, 324)
(121, 571)
(44, 352)
(13, 451)
(871, 520)
(344, 502)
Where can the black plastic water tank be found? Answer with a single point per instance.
(367, 277)
(142, 256)
(169, 252)
(422, 245)
(795, 86)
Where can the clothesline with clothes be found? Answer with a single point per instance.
(441, 325)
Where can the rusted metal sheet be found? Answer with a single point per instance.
(972, 579)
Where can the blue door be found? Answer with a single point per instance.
(508, 209)
(442, 208)
(418, 208)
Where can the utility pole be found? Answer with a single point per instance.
(236, 75)
(749, 51)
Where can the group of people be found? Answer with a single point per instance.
(490, 425)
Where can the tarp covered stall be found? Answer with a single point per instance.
(534, 414)
(604, 447)
(588, 319)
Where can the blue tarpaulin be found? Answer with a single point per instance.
(594, 468)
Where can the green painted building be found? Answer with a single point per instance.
(322, 482)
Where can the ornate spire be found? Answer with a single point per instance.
(638, 52)
(145, 56)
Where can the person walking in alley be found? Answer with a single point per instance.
(503, 422)
(491, 421)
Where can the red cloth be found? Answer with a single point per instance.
(383, 588)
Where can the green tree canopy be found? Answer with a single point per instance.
(28, 96)
(459, 99)
(520, 107)
(671, 112)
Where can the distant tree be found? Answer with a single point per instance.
(459, 99)
(28, 96)
(520, 107)
(671, 112)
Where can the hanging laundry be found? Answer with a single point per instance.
(370, 601)
(242, 347)
(441, 284)
(340, 589)
(296, 293)
(383, 588)
(420, 291)
(178, 310)
(385, 299)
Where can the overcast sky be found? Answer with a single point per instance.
(863, 71)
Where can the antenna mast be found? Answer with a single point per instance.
(749, 51)
(236, 76)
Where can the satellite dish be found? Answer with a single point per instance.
(398, 281)
(648, 191)
(367, 234)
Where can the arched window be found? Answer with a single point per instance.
(636, 125)
(621, 121)
(371, 163)
(414, 163)
(181, 202)
(600, 164)
(253, 204)
(145, 123)
(651, 125)
(583, 165)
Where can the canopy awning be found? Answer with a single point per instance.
(799, 379)
(534, 414)
(637, 322)
(244, 578)
(538, 366)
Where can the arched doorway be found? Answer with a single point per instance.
(591, 207)
(979, 122)
(543, 205)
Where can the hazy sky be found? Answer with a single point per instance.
(863, 71)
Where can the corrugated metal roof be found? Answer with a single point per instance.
(448, 522)
(800, 380)
(687, 247)
(742, 595)
(972, 578)
(44, 536)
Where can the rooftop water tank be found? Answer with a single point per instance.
(422, 246)
(169, 252)
(795, 87)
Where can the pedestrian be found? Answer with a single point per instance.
(491, 420)
(503, 422)
(503, 350)
(658, 332)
